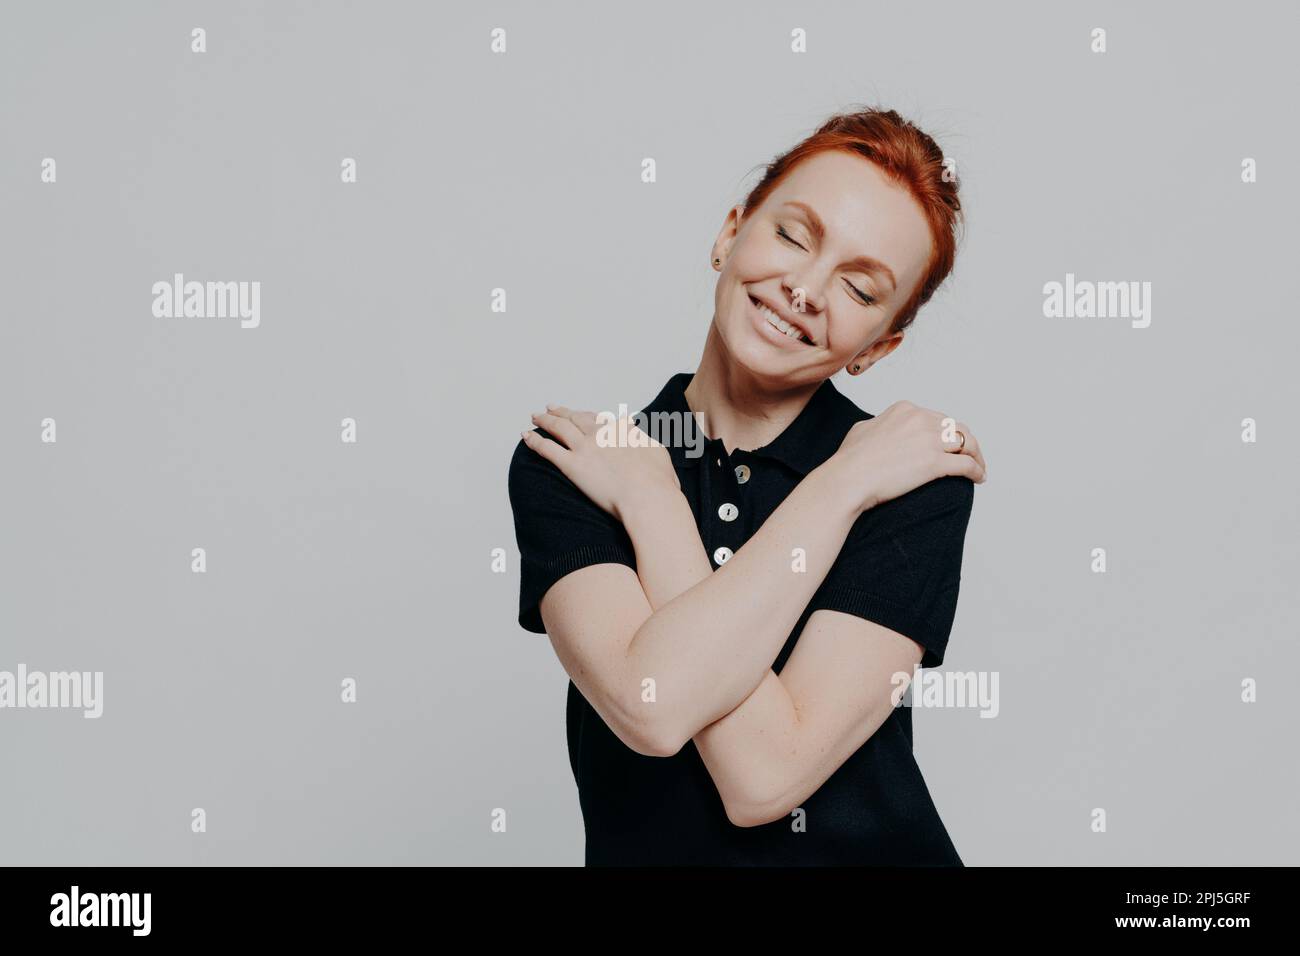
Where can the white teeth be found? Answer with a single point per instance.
(779, 323)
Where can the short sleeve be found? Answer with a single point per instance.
(900, 565)
(558, 530)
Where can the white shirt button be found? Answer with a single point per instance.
(721, 555)
(728, 512)
(742, 473)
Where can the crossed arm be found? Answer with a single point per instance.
(708, 639)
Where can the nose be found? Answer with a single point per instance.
(802, 297)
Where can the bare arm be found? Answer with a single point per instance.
(659, 676)
(794, 730)
(709, 647)
(712, 639)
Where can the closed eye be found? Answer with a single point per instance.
(866, 299)
(862, 296)
(780, 231)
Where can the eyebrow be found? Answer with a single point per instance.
(865, 263)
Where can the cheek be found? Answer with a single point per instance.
(847, 335)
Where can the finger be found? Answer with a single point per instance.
(952, 445)
(962, 442)
(552, 451)
(965, 466)
(586, 421)
(972, 445)
(563, 429)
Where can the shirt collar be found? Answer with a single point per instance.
(807, 442)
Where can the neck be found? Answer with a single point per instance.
(737, 407)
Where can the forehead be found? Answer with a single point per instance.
(864, 211)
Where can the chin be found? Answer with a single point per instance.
(763, 363)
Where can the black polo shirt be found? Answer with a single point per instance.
(900, 567)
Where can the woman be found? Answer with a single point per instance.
(735, 705)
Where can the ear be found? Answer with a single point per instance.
(877, 350)
(727, 234)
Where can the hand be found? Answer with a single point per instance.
(614, 476)
(904, 447)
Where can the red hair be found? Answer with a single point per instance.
(905, 155)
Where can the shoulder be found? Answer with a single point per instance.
(931, 519)
(524, 461)
(523, 458)
(531, 475)
(945, 494)
(844, 410)
(539, 491)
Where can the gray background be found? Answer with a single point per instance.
(521, 171)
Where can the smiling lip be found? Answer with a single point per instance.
(760, 305)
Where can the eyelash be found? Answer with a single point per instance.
(862, 296)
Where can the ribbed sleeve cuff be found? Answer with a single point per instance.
(906, 621)
(537, 578)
